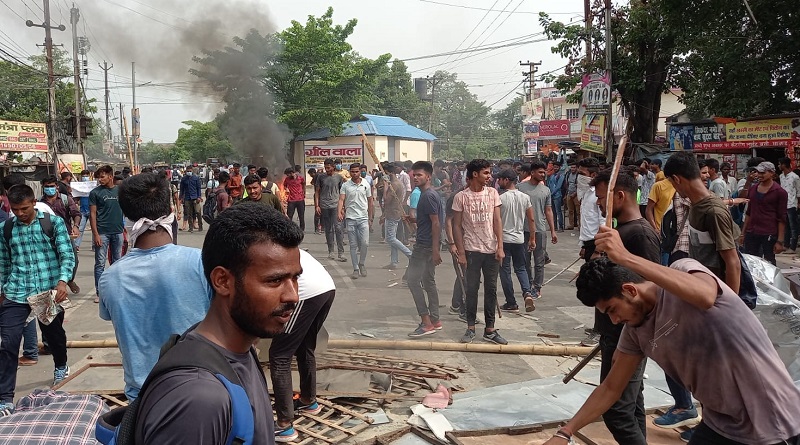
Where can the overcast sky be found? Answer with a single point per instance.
(404, 28)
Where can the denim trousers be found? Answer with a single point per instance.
(12, 322)
(422, 279)
(626, 419)
(113, 241)
(683, 398)
(330, 223)
(760, 246)
(358, 237)
(487, 264)
(536, 269)
(300, 207)
(81, 227)
(515, 253)
(395, 245)
(558, 211)
(30, 340)
(790, 238)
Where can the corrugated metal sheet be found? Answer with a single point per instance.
(374, 125)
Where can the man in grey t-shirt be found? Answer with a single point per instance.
(542, 204)
(326, 198)
(516, 213)
(188, 405)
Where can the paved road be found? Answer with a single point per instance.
(369, 304)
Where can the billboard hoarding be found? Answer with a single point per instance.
(23, 136)
(315, 154)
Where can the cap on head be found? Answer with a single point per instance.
(765, 166)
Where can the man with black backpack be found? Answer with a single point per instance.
(208, 387)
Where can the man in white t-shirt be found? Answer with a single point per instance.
(316, 291)
(717, 185)
(791, 183)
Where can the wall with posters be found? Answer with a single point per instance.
(735, 136)
(23, 136)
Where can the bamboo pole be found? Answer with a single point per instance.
(408, 345)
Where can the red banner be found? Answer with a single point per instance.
(554, 129)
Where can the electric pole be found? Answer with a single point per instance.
(122, 130)
(609, 118)
(134, 135)
(587, 16)
(529, 76)
(105, 69)
(74, 16)
(51, 78)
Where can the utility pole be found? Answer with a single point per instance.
(609, 117)
(587, 16)
(135, 160)
(529, 76)
(51, 78)
(105, 69)
(122, 130)
(74, 16)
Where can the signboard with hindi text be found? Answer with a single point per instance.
(23, 136)
(315, 155)
(743, 135)
(592, 131)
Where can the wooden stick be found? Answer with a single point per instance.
(562, 271)
(581, 364)
(347, 411)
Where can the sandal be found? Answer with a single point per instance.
(97, 299)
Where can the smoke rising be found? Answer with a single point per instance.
(170, 46)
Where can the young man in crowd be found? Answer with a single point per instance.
(84, 209)
(295, 184)
(221, 192)
(542, 203)
(252, 185)
(235, 185)
(626, 417)
(31, 263)
(516, 212)
(191, 198)
(316, 291)
(645, 181)
(555, 182)
(791, 183)
(251, 259)
(158, 288)
(573, 202)
(326, 200)
(313, 174)
(393, 193)
(478, 231)
(655, 167)
(764, 225)
(107, 222)
(591, 219)
(64, 207)
(355, 209)
(429, 218)
(748, 396)
(730, 180)
(716, 184)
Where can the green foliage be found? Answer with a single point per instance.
(395, 95)
(200, 141)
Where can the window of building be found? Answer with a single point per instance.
(572, 113)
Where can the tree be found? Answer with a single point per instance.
(395, 95)
(150, 153)
(200, 141)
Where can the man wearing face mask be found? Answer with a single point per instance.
(84, 208)
(64, 207)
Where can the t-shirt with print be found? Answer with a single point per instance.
(719, 188)
(661, 194)
(640, 239)
(150, 295)
(711, 230)
(193, 406)
(429, 203)
(540, 200)
(647, 181)
(328, 187)
(356, 199)
(392, 205)
(514, 214)
(109, 214)
(477, 218)
(725, 358)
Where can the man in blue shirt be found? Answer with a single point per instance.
(31, 263)
(555, 183)
(158, 288)
(191, 197)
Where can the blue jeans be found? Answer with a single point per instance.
(81, 228)
(515, 252)
(683, 398)
(101, 254)
(558, 211)
(394, 243)
(30, 340)
(358, 237)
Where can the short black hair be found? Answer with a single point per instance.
(438, 163)
(65, 175)
(237, 228)
(251, 166)
(525, 168)
(328, 161)
(625, 179)
(146, 195)
(21, 193)
(476, 165)
(104, 169)
(84, 172)
(251, 179)
(364, 166)
(507, 173)
(356, 165)
(657, 162)
(785, 161)
(537, 165)
(682, 164)
(590, 164)
(601, 280)
(51, 179)
(712, 164)
(288, 171)
(423, 165)
(262, 172)
(754, 161)
(224, 177)
(236, 165)
(727, 165)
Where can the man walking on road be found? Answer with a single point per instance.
(765, 218)
(393, 194)
(326, 201)
(191, 197)
(356, 212)
(295, 185)
(516, 212)
(107, 222)
(542, 203)
(573, 200)
(556, 183)
(478, 231)
(791, 183)
(426, 255)
(34, 260)
(256, 193)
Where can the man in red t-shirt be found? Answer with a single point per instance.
(235, 188)
(295, 186)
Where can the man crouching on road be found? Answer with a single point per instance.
(699, 331)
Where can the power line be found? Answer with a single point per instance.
(9, 8)
(472, 30)
(496, 10)
(471, 50)
(31, 10)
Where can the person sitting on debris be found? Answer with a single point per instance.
(158, 288)
(316, 291)
(251, 259)
(697, 329)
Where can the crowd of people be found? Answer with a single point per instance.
(688, 221)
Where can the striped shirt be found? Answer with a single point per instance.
(29, 264)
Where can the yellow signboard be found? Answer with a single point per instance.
(592, 131)
(23, 136)
(761, 130)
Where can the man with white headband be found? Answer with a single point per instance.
(158, 288)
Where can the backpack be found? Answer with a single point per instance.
(210, 207)
(268, 187)
(118, 426)
(47, 228)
